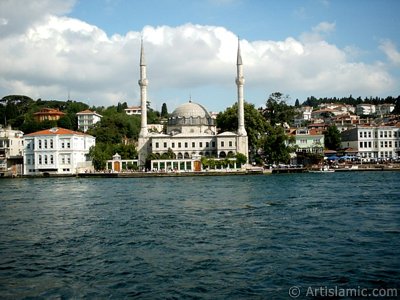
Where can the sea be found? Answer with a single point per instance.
(280, 236)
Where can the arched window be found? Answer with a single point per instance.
(186, 155)
(180, 156)
(222, 154)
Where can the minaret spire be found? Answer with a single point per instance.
(143, 93)
(240, 84)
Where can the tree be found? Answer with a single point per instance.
(277, 111)
(164, 111)
(276, 146)
(297, 103)
(332, 138)
(255, 124)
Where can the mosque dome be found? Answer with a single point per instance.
(190, 110)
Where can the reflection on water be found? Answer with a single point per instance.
(209, 237)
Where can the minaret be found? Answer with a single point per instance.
(143, 94)
(240, 83)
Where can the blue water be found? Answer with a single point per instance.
(238, 237)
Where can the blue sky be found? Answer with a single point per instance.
(300, 48)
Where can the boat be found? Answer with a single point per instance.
(324, 169)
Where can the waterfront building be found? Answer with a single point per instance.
(191, 130)
(373, 142)
(87, 119)
(56, 150)
(11, 147)
(117, 164)
(49, 114)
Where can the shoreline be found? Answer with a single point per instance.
(206, 173)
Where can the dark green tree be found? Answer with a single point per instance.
(332, 138)
(297, 103)
(277, 111)
(276, 146)
(164, 111)
(255, 124)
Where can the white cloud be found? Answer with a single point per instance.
(18, 15)
(391, 51)
(57, 54)
(319, 32)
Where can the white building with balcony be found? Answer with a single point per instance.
(373, 142)
(133, 110)
(56, 151)
(11, 147)
(87, 118)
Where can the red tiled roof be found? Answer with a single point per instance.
(49, 111)
(55, 131)
(86, 111)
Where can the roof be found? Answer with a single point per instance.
(49, 111)
(56, 131)
(190, 109)
(88, 112)
(133, 107)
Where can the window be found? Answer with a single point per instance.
(380, 133)
(51, 144)
(68, 160)
(193, 144)
(28, 161)
(213, 144)
(386, 144)
(370, 144)
(201, 144)
(365, 134)
(51, 159)
(230, 143)
(45, 159)
(390, 144)
(45, 144)
(207, 145)
(165, 144)
(40, 144)
(361, 144)
(179, 145)
(385, 134)
(173, 145)
(62, 159)
(390, 134)
(40, 159)
(361, 134)
(157, 145)
(381, 144)
(369, 134)
(222, 144)
(68, 145)
(365, 145)
(62, 145)
(186, 144)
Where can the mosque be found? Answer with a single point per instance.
(191, 131)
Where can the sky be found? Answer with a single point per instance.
(88, 50)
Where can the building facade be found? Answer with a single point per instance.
(56, 150)
(373, 142)
(11, 147)
(87, 119)
(133, 110)
(49, 114)
(191, 131)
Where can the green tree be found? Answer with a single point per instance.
(65, 122)
(332, 138)
(277, 111)
(297, 103)
(255, 124)
(276, 146)
(164, 111)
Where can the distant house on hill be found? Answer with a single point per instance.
(133, 110)
(87, 118)
(50, 114)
